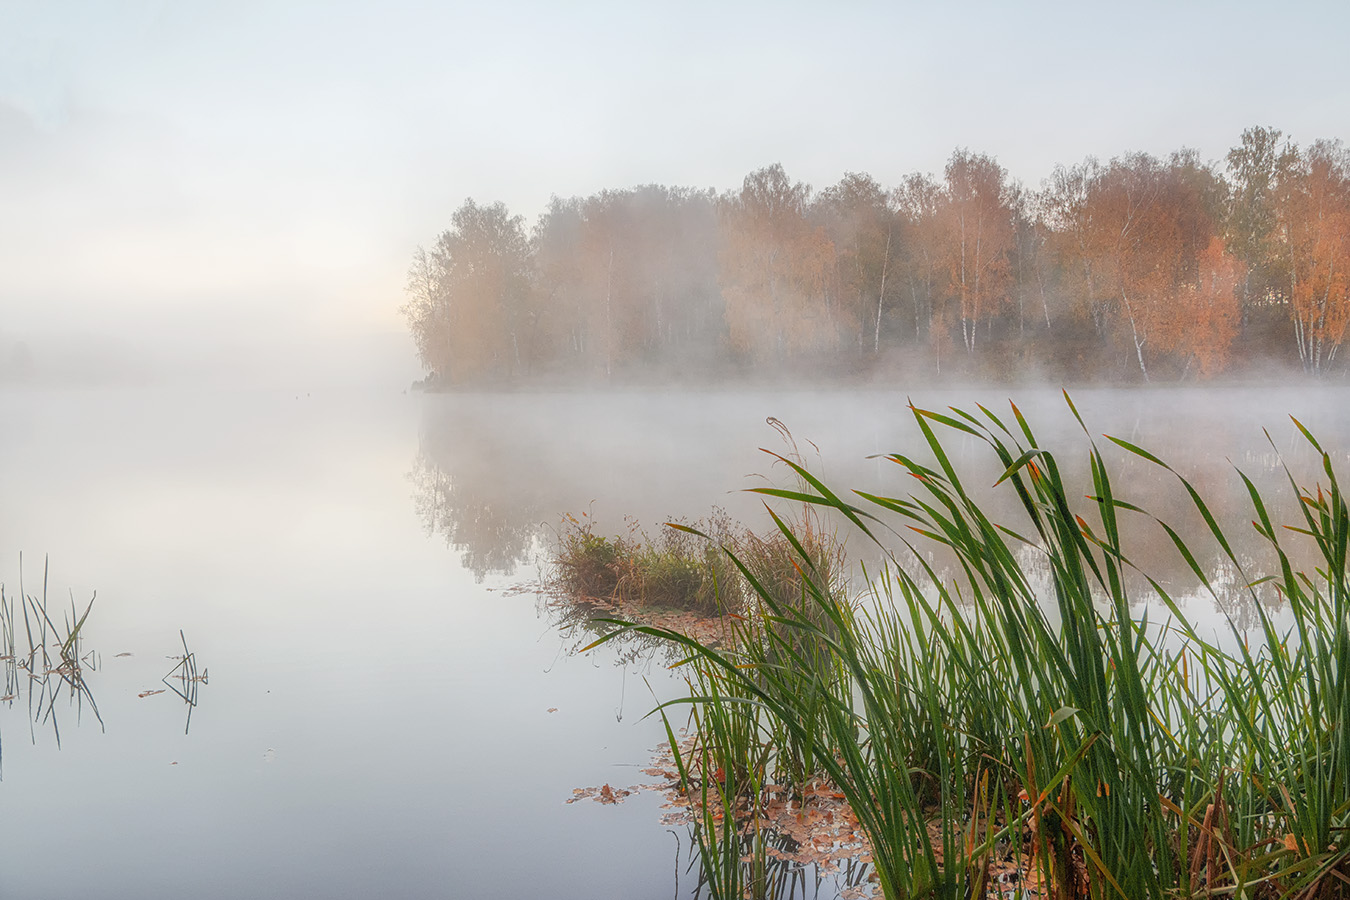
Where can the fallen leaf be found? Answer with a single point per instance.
(152, 693)
(553, 709)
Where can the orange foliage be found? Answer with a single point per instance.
(1315, 215)
(1202, 320)
(1147, 262)
(978, 219)
(775, 270)
(1137, 238)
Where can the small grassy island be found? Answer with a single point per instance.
(1026, 727)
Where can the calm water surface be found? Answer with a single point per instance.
(376, 721)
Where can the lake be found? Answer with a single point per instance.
(391, 709)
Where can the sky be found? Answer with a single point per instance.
(213, 180)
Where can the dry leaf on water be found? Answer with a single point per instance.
(603, 794)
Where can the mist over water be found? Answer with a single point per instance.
(339, 560)
(494, 471)
(317, 321)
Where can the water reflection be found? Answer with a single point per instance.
(579, 623)
(47, 665)
(493, 473)
(782, 877)
(184, 679)
(491, 536)
(1203, 444)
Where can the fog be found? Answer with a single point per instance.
(343, 563)
(190, 181)
(210, 413)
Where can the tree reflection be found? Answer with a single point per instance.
(493, 472)
(491, 535)
(472, 489)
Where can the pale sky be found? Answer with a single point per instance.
(177, 168)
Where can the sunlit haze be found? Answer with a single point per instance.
(223, 186)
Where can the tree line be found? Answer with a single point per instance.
(1137, 268)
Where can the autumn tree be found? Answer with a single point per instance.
(775, 268)
(558, 279)
(1131, 238)
(599, 282)
(978, 218)
(1030, 260)
(631, 276)
(427, 309)
(604, 231)
(861, 223)
(1138, 262)
(1134, 260)
(468, 298)
(918, 202)
(1259, 169)
(1078, 238)
(672, 242)
(1202, 319)
(1138, 245)
(1314, 219)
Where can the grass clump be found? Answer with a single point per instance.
(687, 568)
(1029, 707)
(587, 565)
(675, 572)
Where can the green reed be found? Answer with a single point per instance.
(1022, 704)
(52, 662)
(724, 769)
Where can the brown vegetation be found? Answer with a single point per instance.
(687, 567)
(1140, 267)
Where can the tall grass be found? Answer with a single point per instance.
(52, 664)
(1030, 701)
